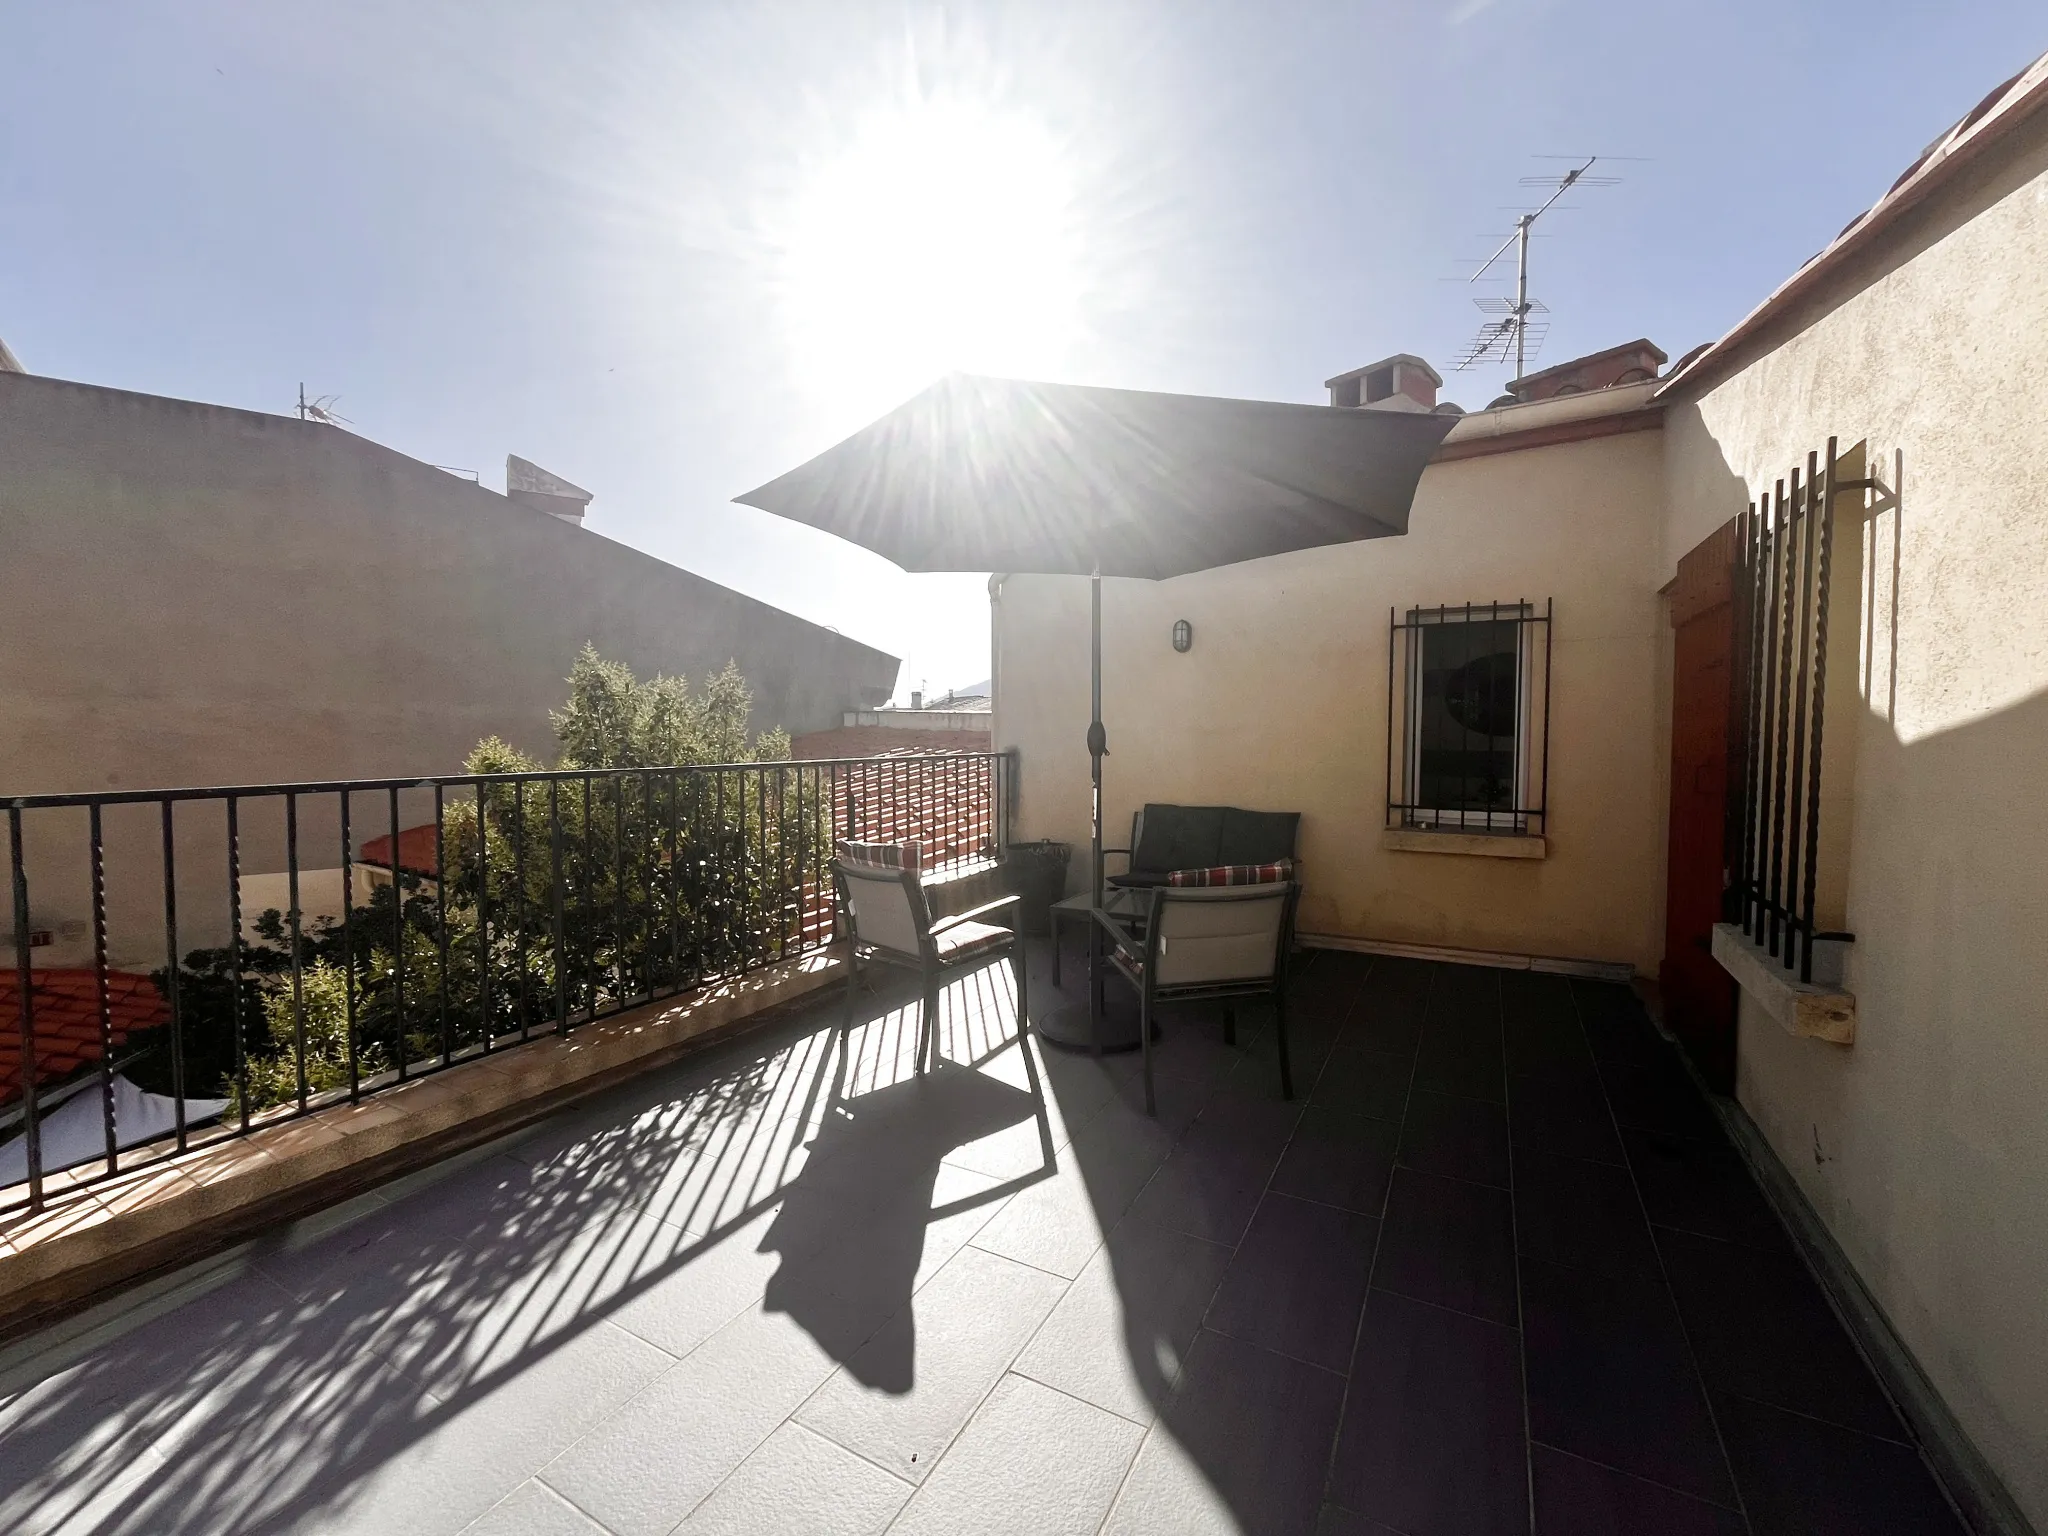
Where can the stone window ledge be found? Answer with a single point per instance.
(1820, 1010)
(1481, 845)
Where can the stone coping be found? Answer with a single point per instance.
(1821, 1010)
(91, 1237)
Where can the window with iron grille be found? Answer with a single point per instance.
(1468, 716)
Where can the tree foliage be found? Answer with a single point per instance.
(561, 897)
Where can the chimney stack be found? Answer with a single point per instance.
(1403, 382)
(531, 486)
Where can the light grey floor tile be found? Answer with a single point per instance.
(1031, 1460)
(1168, 1495)
(1118, 1336)
(1053, 1225)
(464, 1456)
(534, 1509)
(681, 1308)
(647, 1465)
(800, 1481)
(904, 1394)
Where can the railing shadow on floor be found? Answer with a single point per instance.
(787, 1170)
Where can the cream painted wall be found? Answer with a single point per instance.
(1924, 1146)
(1282, 702)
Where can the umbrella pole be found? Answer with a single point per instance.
(1098, 745)
(1086, 1025)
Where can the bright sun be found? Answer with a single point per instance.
(939, 237)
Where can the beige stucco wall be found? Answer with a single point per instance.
(1282, 701)
(194, 595)
(1924, 1145)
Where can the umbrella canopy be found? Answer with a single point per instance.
(981, 474)
(986, 474)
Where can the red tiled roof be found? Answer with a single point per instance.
(67, 1020)
(2006, 108)
(883, 741)
(415, 850)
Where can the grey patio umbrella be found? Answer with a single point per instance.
(988, 474)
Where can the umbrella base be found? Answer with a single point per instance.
(1067, 1026)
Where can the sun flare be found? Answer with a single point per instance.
(939, 236)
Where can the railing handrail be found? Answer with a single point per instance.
(80, 798)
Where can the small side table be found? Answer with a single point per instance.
(1078, 908)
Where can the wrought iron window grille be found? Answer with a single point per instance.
(1468, 718)
(1786, 545)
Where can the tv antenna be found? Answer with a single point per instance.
(1518, 331)
(320, 408)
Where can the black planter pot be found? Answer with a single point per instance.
(1038, 873)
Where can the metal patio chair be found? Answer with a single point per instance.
(890, 922)
(1202, 943)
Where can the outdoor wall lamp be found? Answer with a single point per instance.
(1183, 635)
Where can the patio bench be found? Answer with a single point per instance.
(1165, 838)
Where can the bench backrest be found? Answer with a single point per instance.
(1170, 837)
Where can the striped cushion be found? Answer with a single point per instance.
(904, 855)
(1235, 874)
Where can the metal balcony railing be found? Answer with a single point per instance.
(496, 907)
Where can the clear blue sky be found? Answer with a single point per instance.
(670, 251)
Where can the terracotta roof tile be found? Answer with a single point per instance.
(65, 1006)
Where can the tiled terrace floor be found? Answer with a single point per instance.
(1494, 1266)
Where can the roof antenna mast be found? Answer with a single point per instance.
(1515, 330)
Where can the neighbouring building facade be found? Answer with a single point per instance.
(194, 595)
(1519, 731)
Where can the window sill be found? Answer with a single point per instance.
(1817, 1010)
(1483, 845)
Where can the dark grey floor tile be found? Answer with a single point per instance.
(1339, 1159)
(1458, 1137)
(1360, 1082)
(1801, 1477)
(1338, 1521)
(1248, 1125)
(1660, 1096)
(1462, 1054)
(1703, 1187)
(1582, 1215)
(1611, 1379)
(1468, 992)
(1761, 1328)
(1574, 1497)
(1563, 1110)
(1449, 1242)
(1433, 1438)
(1617, 1027)
(1387, 1014)
(1259, 1427)
(1541, 1040)
(1298, 1281)
(1205, 1191)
